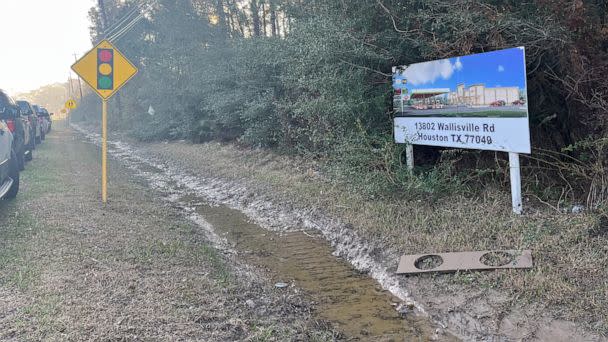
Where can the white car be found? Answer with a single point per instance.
(43, 122)
(9, 167)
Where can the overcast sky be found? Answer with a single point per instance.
(38, 39)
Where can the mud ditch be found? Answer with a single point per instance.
(356, 304)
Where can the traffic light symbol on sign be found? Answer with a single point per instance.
(105, 69)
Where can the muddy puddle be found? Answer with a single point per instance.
(356, 304)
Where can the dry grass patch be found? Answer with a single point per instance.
(570, 253)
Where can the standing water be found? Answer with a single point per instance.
(356, 304)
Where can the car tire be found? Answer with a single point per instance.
(14, 174)
(21, 160)
(30, 156)
(33, 141)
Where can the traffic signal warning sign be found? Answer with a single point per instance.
(105, 69)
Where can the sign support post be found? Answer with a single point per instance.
(514, 171)
(105, 70)
(409, 156)
(104, 151)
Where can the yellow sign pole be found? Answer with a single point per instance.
(106, 70)
(104, 151)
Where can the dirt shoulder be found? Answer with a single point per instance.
(71, 269)
(564, 298)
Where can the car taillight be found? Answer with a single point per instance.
(11, 125)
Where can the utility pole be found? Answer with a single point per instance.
(79, 82)
(70, 86)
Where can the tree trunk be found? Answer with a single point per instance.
(221, 16)
(255, 17)
(264, 22)
(104, 18)
(273, 17)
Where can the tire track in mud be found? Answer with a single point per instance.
(300, 255)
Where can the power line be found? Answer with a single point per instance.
(128, 27)
(124, 19)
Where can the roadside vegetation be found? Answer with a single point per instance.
(312, 78)
(309, 81)
(67, 272)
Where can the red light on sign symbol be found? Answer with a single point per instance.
(105, 55)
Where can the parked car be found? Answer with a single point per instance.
(9, 169)
(46, 116)
(498, 103)
(519, 103)
(28, 110)
(19, 126)
(41, 122)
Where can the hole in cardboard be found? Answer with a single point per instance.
(496, 259)
(428, 262)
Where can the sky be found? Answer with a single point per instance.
(38, 40)
(502, 68)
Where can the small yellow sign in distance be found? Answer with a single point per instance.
(105, 69)
(71, 104)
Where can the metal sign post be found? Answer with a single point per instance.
(409, 156)
(105, 70)
(104, 151)
(515, 182)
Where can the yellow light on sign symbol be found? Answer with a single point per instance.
(105, 69)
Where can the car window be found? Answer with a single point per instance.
(4, 100)
(7, 106)
(25, 107)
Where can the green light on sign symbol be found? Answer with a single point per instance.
(105, 82)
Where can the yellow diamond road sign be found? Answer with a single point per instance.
(70, 104)
(105, 69)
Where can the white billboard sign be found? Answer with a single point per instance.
(476, 101)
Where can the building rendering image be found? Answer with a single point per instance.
(489, 84)
(480, 95)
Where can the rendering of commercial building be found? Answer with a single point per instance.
(479, 95)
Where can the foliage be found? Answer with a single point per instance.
(309, 76)
(52, 96)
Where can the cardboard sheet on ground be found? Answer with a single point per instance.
(463, 261)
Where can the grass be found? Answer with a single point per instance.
(567, 282)
(71, 269)
(15, 262)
